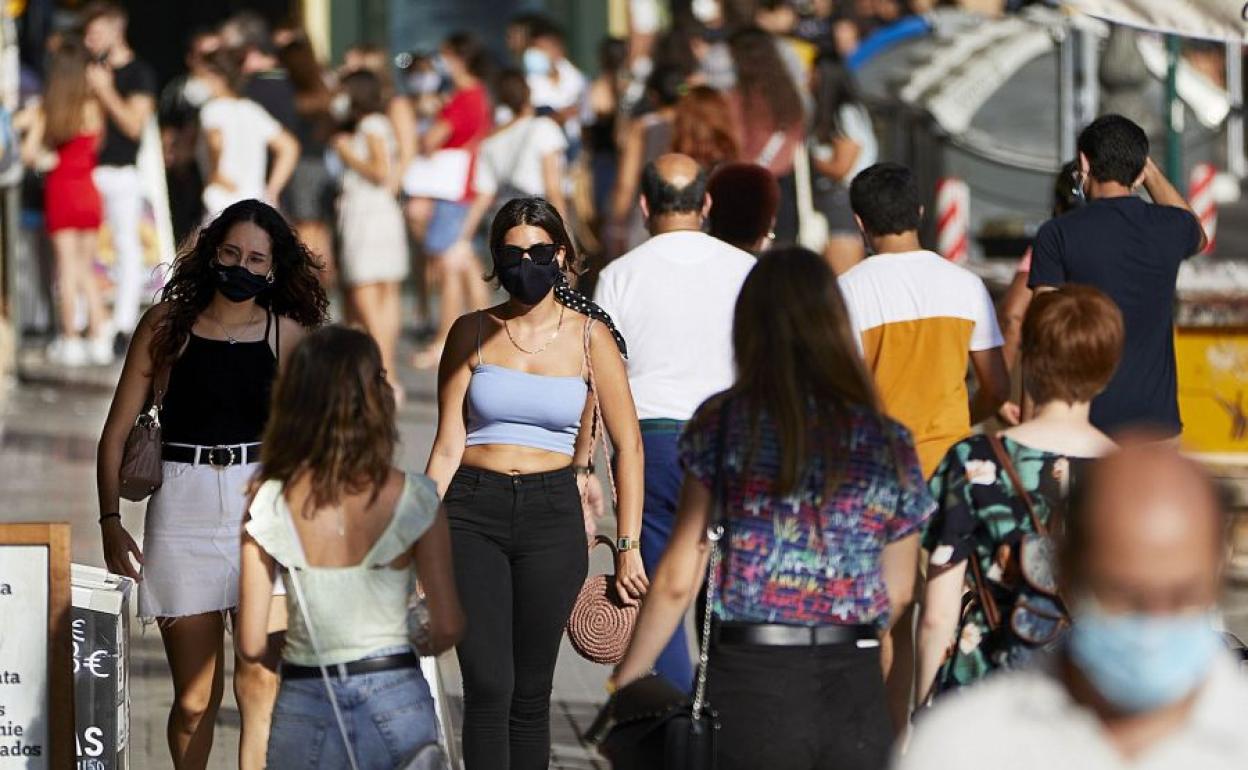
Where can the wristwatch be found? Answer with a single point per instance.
(626, 544)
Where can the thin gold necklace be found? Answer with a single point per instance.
(558, 328)
(225, 330)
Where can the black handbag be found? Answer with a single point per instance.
(650, 724)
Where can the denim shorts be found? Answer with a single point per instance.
(444, 226)
(388, 715)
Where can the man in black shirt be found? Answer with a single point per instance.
(126, 88)
(1131, 250)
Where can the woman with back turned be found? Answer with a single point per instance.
(330, 506)
(823, 499)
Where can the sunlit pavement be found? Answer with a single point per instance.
(50, 426)
(51, 422)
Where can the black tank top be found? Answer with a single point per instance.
(219, 391)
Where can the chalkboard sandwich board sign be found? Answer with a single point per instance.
(36, 684)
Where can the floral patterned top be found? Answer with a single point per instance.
(806, 558)
(978, 511)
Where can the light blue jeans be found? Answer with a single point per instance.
(388, 716)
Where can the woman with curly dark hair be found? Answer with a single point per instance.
(240, 295)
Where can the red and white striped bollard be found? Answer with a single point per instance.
(953, 219)
(1200, 194)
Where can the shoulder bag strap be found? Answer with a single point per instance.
(316, 648)
(714, 534)
(160, 386)
(801, 178)
(1003, 457)
(771, 149)
(596, 426)
(992, 613)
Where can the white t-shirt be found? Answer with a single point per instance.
(1026, 720)
(917, 317)
(855, 124)
(568, 90)
(377, 125)
(672, 298)
(514, 155)
(246, 130)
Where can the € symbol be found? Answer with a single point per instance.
(93, 662)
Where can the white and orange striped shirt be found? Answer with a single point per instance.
(917, 317)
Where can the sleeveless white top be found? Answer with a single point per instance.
(356, 610)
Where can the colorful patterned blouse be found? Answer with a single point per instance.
(978, 512)
(804, 559)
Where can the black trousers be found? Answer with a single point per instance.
(799, 708)
(520, 559)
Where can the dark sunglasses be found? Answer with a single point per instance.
(540, 253)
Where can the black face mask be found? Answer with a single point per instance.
(238, 284)
(528, 282)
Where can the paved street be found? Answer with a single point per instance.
(47, 463)
(47, 453)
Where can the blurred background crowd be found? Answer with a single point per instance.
(346, 140)
(390, 133)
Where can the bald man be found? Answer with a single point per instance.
(1143, 680)
(672, 298)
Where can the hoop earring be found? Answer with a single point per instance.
(270, 278)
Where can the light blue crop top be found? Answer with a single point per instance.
(508, 406)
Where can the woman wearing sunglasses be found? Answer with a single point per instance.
(993, 491)
(515, 428)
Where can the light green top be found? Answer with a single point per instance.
(356, 610)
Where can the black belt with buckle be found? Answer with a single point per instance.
(216, 456)
(779, 635)
(344, 670)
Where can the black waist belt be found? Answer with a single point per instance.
(216, 456)
(355, 667)
(778, 635)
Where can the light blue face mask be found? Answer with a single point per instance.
(536, 62)
(1142, 662)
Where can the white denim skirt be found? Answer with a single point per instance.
(192, 540)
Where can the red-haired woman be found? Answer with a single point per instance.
(1071, 341)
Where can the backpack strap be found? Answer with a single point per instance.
(1003, 459)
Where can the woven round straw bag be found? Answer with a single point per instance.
(600, 626)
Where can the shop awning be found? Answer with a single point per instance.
(1222, 20)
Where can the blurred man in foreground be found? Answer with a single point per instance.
(1144, 680)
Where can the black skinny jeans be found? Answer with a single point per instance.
(799, 708)
(520, 559)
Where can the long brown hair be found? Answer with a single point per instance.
(67, 94)
(332, 417)
(795, 353)
(312, 94)
(296, 292)
(703, 128)
(763, 79)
